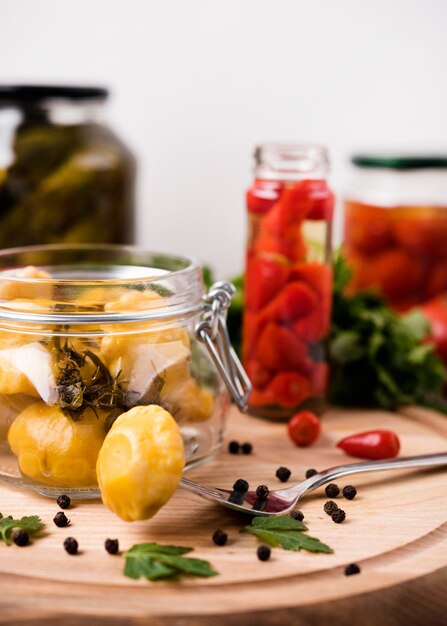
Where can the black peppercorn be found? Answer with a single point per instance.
(338, 516)
(236, 497)
(332, 490)
(71, 545)
(259, 504)
(311, 472)
(283, 473)
(352, 569)
(61, 520)
(220, 537)
(112, 546)
(262, 491)
(298, 515)
(330, 507)
(247, 448)
(349, 492)
(20, 538)
(263, 553)
(241, 486)
(233, 447)
(63, 501)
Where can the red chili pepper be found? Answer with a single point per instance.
(288, 389)
(258, 375)
(278, 348)
(263, 195)
(320, 198)
(314, 326)
(265, 278)
(296, 300)
(317, 276)
(373, 444)
(291, 248)
(261, 398)
(304, 428)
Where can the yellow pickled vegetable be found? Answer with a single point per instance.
(10, 407)
(186, 400)
(54, 449)
(10, 289)
(27, 369)
(98, 296)
(12, 380)
(140, 463)
(141, 359)
(134, 300)
(116, 346)
(159, 362)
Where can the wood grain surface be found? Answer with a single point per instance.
(395, 530)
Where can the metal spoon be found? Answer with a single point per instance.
(281, 501)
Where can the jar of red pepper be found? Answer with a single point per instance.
(288, 279)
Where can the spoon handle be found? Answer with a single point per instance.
(325, 476)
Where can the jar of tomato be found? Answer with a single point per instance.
(396, 227)
(288, 279)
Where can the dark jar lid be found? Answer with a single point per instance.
(37, 93)
(400, 162)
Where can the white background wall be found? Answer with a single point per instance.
(197, 83)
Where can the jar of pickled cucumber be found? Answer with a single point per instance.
(88, 332)
(396, 226)
(65, 177)
(288, 279)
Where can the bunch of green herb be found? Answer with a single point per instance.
(156, 562)
(285, 532)
(30, 523)
(378, 357)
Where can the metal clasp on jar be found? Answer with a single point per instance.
(213, 332)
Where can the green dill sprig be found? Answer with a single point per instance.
(76, 393)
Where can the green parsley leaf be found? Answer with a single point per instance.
(285, 532)
(289, 540)
(280, 522)
(147, 567)
(193, 567)
(157, 562)
(150, 548)
(31, 523)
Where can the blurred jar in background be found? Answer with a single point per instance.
(396, 227)
(288, 279)
(64, 176)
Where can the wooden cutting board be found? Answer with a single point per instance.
(395, 530)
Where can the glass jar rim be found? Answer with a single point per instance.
(400, 162)
(279, 160)
(38, 93)
(76, 268)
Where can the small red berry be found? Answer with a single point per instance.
(304, 428)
